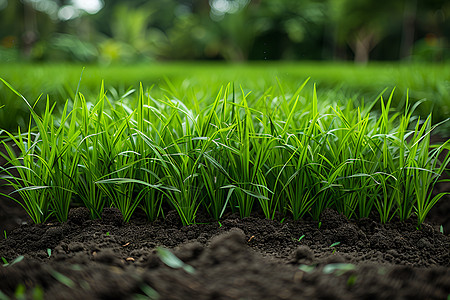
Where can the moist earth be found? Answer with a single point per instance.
(251, 258)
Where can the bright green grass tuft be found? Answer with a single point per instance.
(235, 150)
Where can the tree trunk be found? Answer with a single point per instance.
(361, 52)
(30, 34)
(363, 43)
(409, 17)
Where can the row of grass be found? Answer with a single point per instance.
(240, 151)
(429, 82)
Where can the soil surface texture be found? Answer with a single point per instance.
(251, 258)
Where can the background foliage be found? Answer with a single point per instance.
(235, 30)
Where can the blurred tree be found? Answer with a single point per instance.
(26, 27)
(131, 36)
(291, 29)
(433, 30)
(392, 26)
(235, 28)
(363, 24)
(117, 30)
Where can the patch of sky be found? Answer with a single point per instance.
(221, 7)
(74, 9)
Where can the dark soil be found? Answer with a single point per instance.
(253, 258)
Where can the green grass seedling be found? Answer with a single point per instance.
(63, 279)
(45, 179)
(172, 261)
(15, 261)
(334, 246)
(189, 151)
(338, 269)
(93, 163)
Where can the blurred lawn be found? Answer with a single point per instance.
(340, 80)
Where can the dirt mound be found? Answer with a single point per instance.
(251, 258)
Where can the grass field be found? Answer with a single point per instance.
(227, 138)
(337, 81)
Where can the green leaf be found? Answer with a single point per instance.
(15, 261)
(62, 279)
(172, 261)
(338, 269)
(3, 296)
(335, 244)
(306, 268)
(149, 292)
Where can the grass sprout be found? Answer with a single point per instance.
(232, 150)
(63, 279)
(15, 261)
(338, 269)
(172, 261)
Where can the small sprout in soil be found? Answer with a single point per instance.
(20, 292)
(62, 279)
(4, 233)
(220, 224)
(149, 292)
(300, 238)
(38, 293)
(306, 268)
(107, 233)
(172, 261)
(338, 269)
(76, 267)
(441, 229)
(15, 261)
(334, 245)
(282, 220)
(49, 252)
(351, 280)
(3, 296)
(320, 224)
